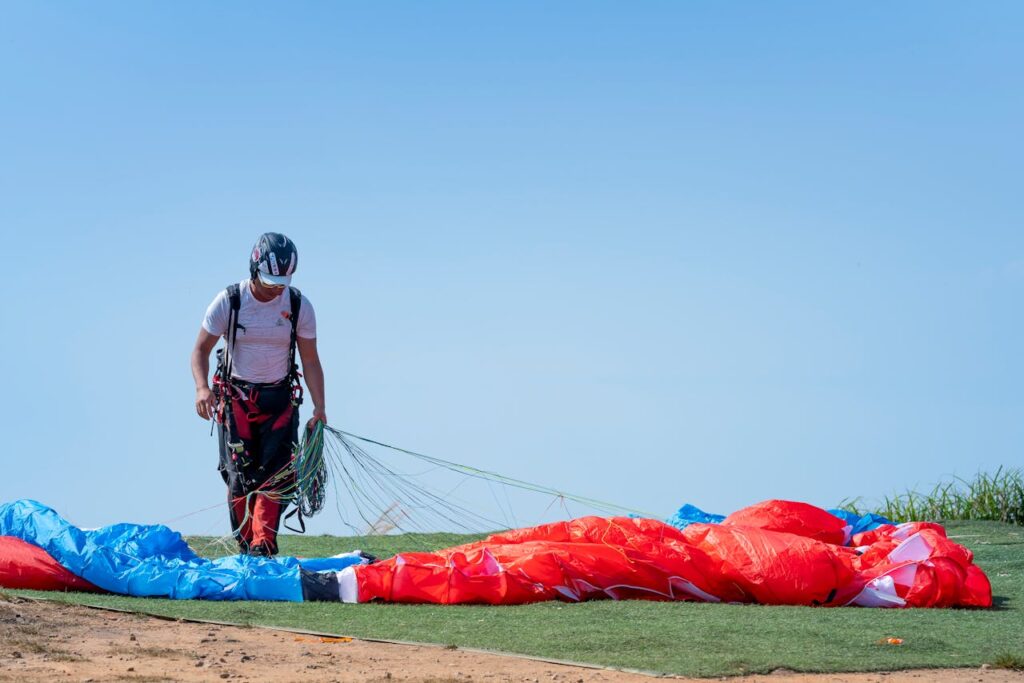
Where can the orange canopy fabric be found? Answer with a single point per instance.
(772, 553)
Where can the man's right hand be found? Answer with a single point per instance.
(205, 404)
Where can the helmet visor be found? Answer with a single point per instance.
(274, 280)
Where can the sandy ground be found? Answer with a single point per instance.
(42, 641)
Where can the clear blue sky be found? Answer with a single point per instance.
(654, 253)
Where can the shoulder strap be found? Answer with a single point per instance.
(235, 298)
(296, 301)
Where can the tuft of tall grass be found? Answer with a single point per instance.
(1008, 660)
(998, 497)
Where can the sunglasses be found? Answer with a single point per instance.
(271, 285)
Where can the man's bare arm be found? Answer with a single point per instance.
(201, 373)
(314, 374)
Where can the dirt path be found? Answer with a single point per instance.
(42, 641)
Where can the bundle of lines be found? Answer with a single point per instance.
(302, 483)
(375, 495)
(409, 492)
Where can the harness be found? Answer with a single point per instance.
(224, 387)
(222, 381)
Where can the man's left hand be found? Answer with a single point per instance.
(319, 415)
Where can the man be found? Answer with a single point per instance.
(256, 390)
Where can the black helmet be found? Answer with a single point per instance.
(273, 259)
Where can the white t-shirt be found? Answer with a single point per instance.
(264, 332)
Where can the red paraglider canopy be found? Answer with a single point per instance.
(772, 553)
(23, 565)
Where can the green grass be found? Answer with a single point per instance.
(677, 638)
(996, 497)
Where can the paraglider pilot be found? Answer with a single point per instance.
(255, 393)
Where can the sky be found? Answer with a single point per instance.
(652, 253)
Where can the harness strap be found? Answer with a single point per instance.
(235, 298)
(225, 358)
(296, 512)
(296, 304)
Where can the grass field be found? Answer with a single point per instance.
(679, 638)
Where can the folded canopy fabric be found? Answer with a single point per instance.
(23, 565)
(772, 553)
(140, 560)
